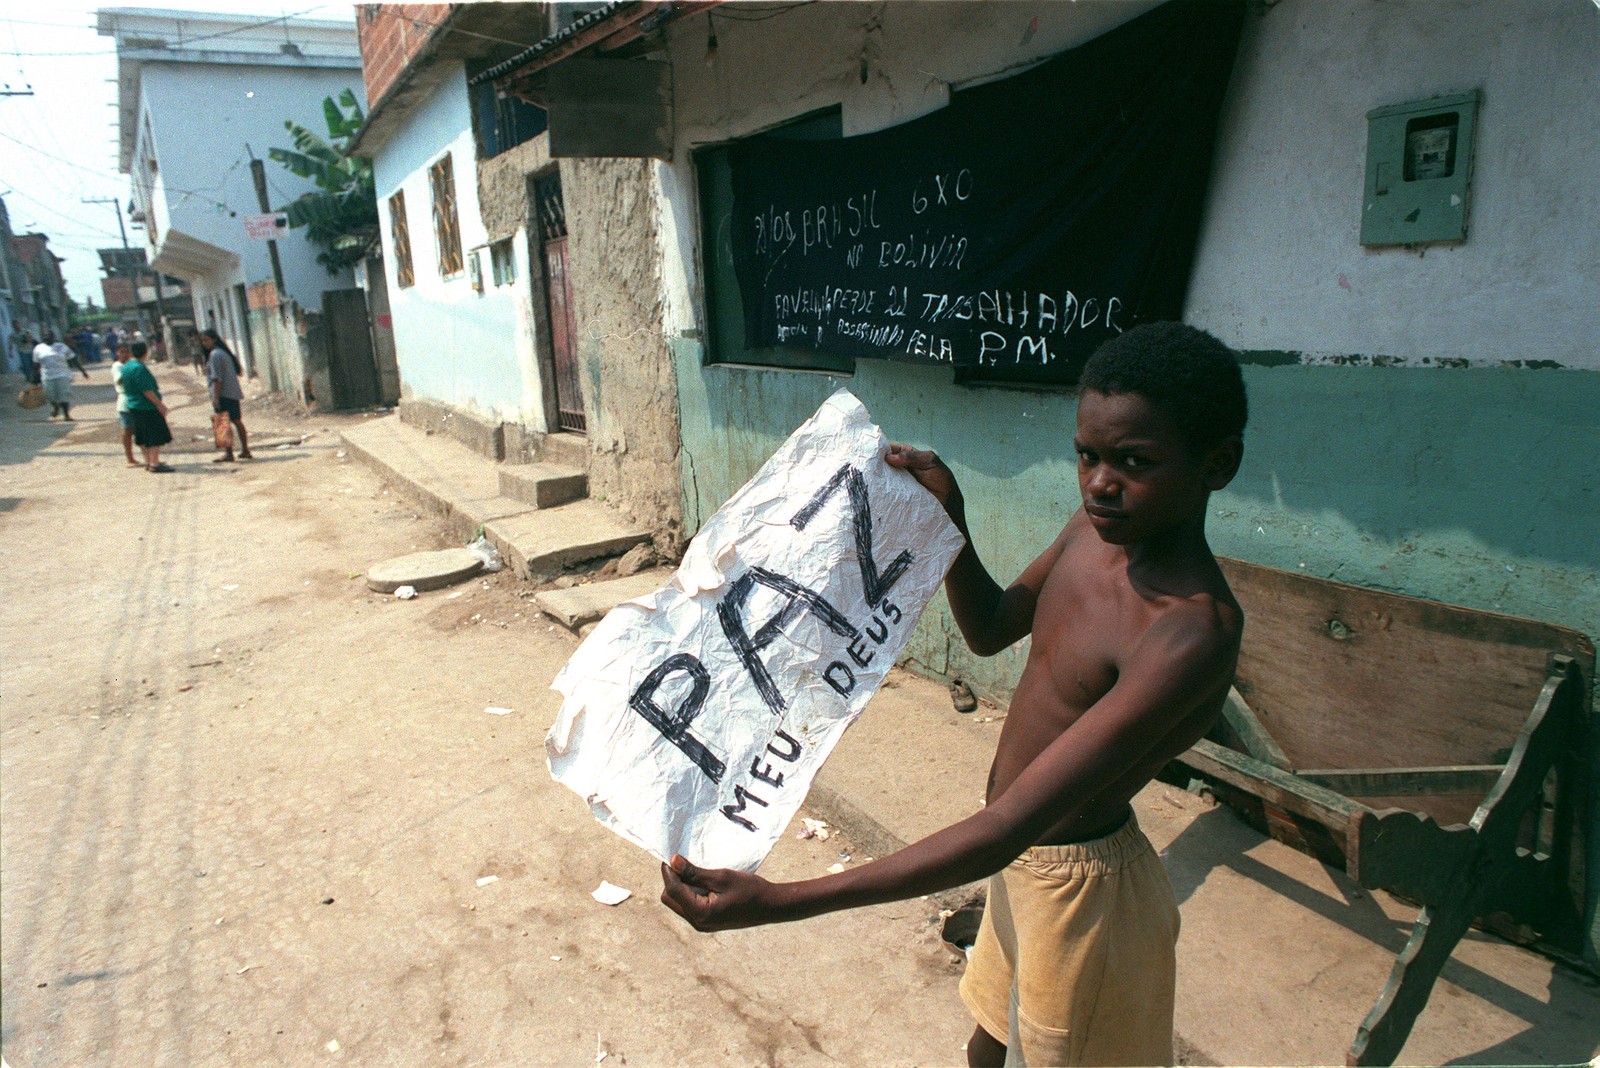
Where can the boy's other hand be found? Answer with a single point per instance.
(713, 899)
(926, 467)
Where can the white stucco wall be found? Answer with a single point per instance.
(205, 189)
(473, 350)
(1281, 265)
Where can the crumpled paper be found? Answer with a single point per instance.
(694, 719)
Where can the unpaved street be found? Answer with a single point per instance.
(248, 805)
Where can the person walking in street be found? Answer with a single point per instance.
(119, 360)
(53, 363)
(150, 430)
(222, 378)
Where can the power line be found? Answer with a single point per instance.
(110, 48)
(61, 159)
(56, 211)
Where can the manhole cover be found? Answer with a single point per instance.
(424, 571)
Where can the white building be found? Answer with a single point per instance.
(199, 96)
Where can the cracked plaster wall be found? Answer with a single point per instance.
(629, 388)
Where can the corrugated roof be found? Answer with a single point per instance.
(593, 18)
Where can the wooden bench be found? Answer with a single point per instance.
(1429, 750)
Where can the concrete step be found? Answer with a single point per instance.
(565, 449)
(451, 480)
(543, 485)
(577, 606)
(436, 472)
(545, 541)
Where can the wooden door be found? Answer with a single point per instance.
(558, 298)
(351, 370)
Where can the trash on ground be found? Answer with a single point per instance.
(333, 1046)
(487, 879)
(607, 894)
(484, 550)
(495, 710)
(230, 587)
(961, 696)
(453, 596)
(817, 829)
(835, 869)
(405, 593)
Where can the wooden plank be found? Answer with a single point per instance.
(1273, 785)
(1474, 780)
(1255, 738)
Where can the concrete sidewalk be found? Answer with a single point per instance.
(1280, 958)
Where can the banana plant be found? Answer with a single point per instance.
(341, 216)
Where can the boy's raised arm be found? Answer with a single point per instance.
(990, 618)
(1171, 678)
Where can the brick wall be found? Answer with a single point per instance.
(263, 295)
(391, 36)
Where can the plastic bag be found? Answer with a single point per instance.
(31, 396)
(484, 550)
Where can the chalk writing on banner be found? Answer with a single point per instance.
(694, 720)
(1020, 226)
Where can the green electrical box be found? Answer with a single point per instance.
(1419, 166)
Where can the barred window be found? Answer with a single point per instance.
(446, 226)
(400, 237)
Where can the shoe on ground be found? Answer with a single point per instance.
(159, 469)
(225, 458)
(247, 455)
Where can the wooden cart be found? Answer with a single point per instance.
(1429, 750)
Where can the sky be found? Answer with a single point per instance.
(58, 147)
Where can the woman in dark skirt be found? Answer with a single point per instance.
(150, 430)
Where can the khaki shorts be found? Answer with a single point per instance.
(1076, 959)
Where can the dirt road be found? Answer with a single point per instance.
(254, 813)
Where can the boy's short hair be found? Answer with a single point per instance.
(1184, 371)
(138, 348)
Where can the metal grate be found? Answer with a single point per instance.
(400, 238)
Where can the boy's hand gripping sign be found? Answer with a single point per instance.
(695, 718)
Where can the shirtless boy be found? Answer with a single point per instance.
(1135, 638)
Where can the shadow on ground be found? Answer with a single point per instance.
(1558, 1030)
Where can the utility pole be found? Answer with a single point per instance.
(138, 272)
(258, 171)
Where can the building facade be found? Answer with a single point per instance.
(194, 169)
(1386, 214)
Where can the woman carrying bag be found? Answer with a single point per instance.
(150, 430)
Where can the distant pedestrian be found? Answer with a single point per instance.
(53, 363)
(22, 343)
(83, 343)
(222, 378)
(112, 340)
(150, 430)
(119, 360)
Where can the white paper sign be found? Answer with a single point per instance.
(695, 718)
(266, 227)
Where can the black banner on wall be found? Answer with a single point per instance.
(1015, 229)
